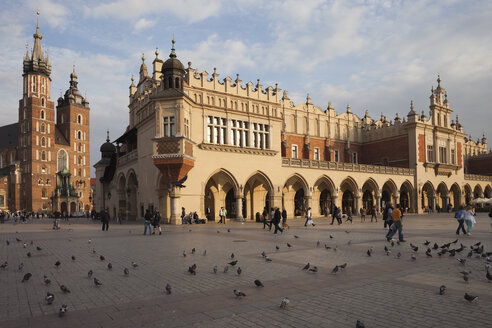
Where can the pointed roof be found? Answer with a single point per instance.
(38, 63)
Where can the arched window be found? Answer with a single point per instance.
(43, 169)
(176, 84)
(62, 118)
(33, 84)
(80, 172)
(43, 193)
(79, 119)
(43, 142)
(43, 155)
(79, 135)
(80, 160)
(12, 157)
(42, 104)
(25, 113)
(80, 147)
(170, 81)
(43, 128)
(62, 160)
(48, 182)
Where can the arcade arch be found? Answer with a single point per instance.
(349, 190)
(442, 197)
(455, 196)
(295, 195)
(221, 189)
(258, 190)
(370, 191)
(323, 196)
(407, 197)
(427, 196)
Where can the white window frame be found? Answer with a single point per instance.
(295, 151)
(316, 154)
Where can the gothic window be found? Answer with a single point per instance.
(48, 182)
(25, 113)
(80, 160)
(216, 130)
(79, 135)
(43, 193)
(43, 155)
(62, 118)
(80, 147)
(336, 156)
(453, 157)
(2, 200)
(43, 86)
(430, 153)
(169, 126)
(176, 83)
(186, 128)
(62, 160)
(79, 119)
(295, 152)
(43, 142)
(40, 182)
(43, 169)
(354, 158)
(42, 104)
(261, 136)
(316, 154)
(239, 133)
(442, 155)
(43, 128)
(33, 84)
(80, 172)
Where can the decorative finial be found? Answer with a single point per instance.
(173, 52)
(74, 68)
(156, 52)
(133, 79)
(438, 80)
(348, 108)
(143, 57)
(107, 135)
(37, 35)
(411, 105)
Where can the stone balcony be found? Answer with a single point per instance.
(128, 157)
(338, 166)
(477, 177)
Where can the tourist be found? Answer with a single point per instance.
(460, 216)
(349, 215)
(276, 220)
(334, 214)
(387, 217)
(284, 219)
(374, 214)
(183, 214)
(469, 219)
(396, 225)
(309, 218)
(339, 215)
(362, 215)
(222, 214)
(156, 222)
(148, 218)
(265, 220)
(105, 220)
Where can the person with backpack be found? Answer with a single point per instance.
(276, 220)
(460, 216)
(374, 214)
(387, 215)
(148, 219)
(157, 223)
(396, 225)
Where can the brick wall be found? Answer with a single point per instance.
(392, 152)
(421, 148)
(480, 165)
(459, 154)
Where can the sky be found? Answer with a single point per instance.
(373, 55)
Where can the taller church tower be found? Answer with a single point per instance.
(36, 130)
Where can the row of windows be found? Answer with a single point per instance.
(234, 104)
(34, 86)
(241, 133)
(317, 156)
(442, 155)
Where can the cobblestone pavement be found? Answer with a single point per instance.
(380, 290)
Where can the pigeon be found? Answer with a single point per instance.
(386, 248)
(97, 282)
(415, 249)
(392, 244)
(93, 251)
(28, 254)
(192, 269)
(388, 252)
(73, 258)
(343, 266)
(215, 269)
(465, 272)
(306, 266)
(452, 252)
(193, 250)
(126, 271)
(413, 257)
(359, 324)
(317, 243)
(57, 263)
(168, 289)
(335, 269)
(368, 253)
(268, 259)
(470, 298)
(327, 247)
(21, 266)
(258, 283)
(296, 236)
(102, 258)
(488, 276)
(49, 298)
(398, 255)
(349, 242)
(398, 242)
(110, 266)
(314, 269)
(228, 230)
(18, 240)
(89, 274)
(263, 254)
(63, 310)
(346, 231)
(232, 255)
(289, 245)
(233, 263)
(90, 241)
(478, 244)
(8, 242)
(27, 276)
(46, 280)
(331, 237)
(64, 289)
(24, 245)
(284, 303)
(454, 242)
(134, 265)
(184, 253)
(226, 268)
(4, 265)
(462, 261)
(239, 270)
(239, 293)
(436, 246)
(428, 252)
(276, 247)
(442, 290)
(465, 278)
(204, 252)
(218, 231)
(427, 243)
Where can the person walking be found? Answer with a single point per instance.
(349, 215)
(224, 214)
(460, 216)
(396, 225)
(156, 222)
(284, 219)
(387, 218)
(183, 214)
(469, 219)
(334, 214)
(105, 220)
(309, 218)
(148, 219)
(265, 219)
(362, 214)
(374, 214)
(276, 220)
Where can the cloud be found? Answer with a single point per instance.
(142, 24)
(190, 11)
(52, 13)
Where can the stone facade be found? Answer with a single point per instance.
(246, 147)
(46, 144)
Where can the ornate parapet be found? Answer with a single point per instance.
(234, 149)
(477, 177)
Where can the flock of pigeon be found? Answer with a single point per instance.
(475, 251)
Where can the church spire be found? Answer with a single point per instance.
(37, 53)
(38, 63)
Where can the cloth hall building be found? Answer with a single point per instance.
(246, 147)
(44, 157)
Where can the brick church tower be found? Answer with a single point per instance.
(36, 130)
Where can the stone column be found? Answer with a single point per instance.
(175, 217)
(357, 205)
(239, 209)
(334, 202)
